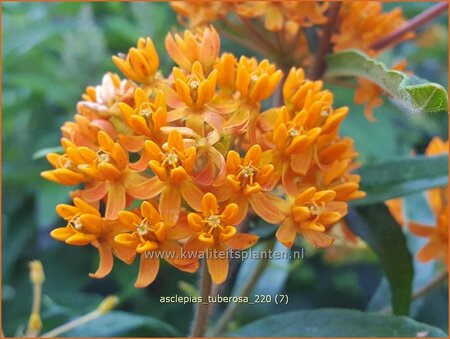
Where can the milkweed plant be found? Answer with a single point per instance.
(188, 166)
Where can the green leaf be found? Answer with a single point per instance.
(401, 176)
(376, 226)
(122, 324)
(412, 93)
(336, 323)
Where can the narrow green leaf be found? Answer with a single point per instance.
(410, 92)
(400, 177)
(336, 323)
(123, 324)
(376, 226)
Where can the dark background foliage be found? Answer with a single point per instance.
(51, 52)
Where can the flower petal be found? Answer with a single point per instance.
(94, 193)
(421, 230)
(176, 141)
(150, 212)
(116, 200)
(62, 233)
(287, 232)
(253, 155)
(242, 241)
(317, 239)
(209, 205)
(430, 251)
(148, 270)
(169, 205)
(106, 261)
(194, 246)
(147, 189)
(229, 214)
(180, 231)
(300, 162)
(265, 205)
(192, 194)
(218, 268)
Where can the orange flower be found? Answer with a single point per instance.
(249, 183)
(254, 83)
(101, 101)
(332, 167)
(290, 140)
(193, 99)
(141, 63)
(204, 46)
(149, 235)
(216, 231)
(437, 246)
(106, 173)
(86, 226)
(209, 159)
(198, 12)
(277, 13)
(363, 22)
(438, 201)
(188, 129)
(146, 119)
(437, 197)
(83, 131)
(226, 74)
(310, 214)
(300, 93)
(66, 170)
(173, 166)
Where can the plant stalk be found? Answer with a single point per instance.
(325, 41)
(232, 308)
(411, 25)
(200, 322)
(105, 306)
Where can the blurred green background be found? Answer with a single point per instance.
(51, 52)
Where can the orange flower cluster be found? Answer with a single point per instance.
(360, 25)
(276, 15)
(363, 22)
(437, 245)
(173, 165)
(285, 22)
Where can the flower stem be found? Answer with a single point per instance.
(37, 278)
(235, 34)
(201, 311)
(105, 306)
(411, 25)
(232, 308)
(325, 41)
(251, 27)
(439, 279)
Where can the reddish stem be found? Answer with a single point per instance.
(411, 25)
(325, 41)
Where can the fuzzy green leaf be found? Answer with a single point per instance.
(409, 92)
